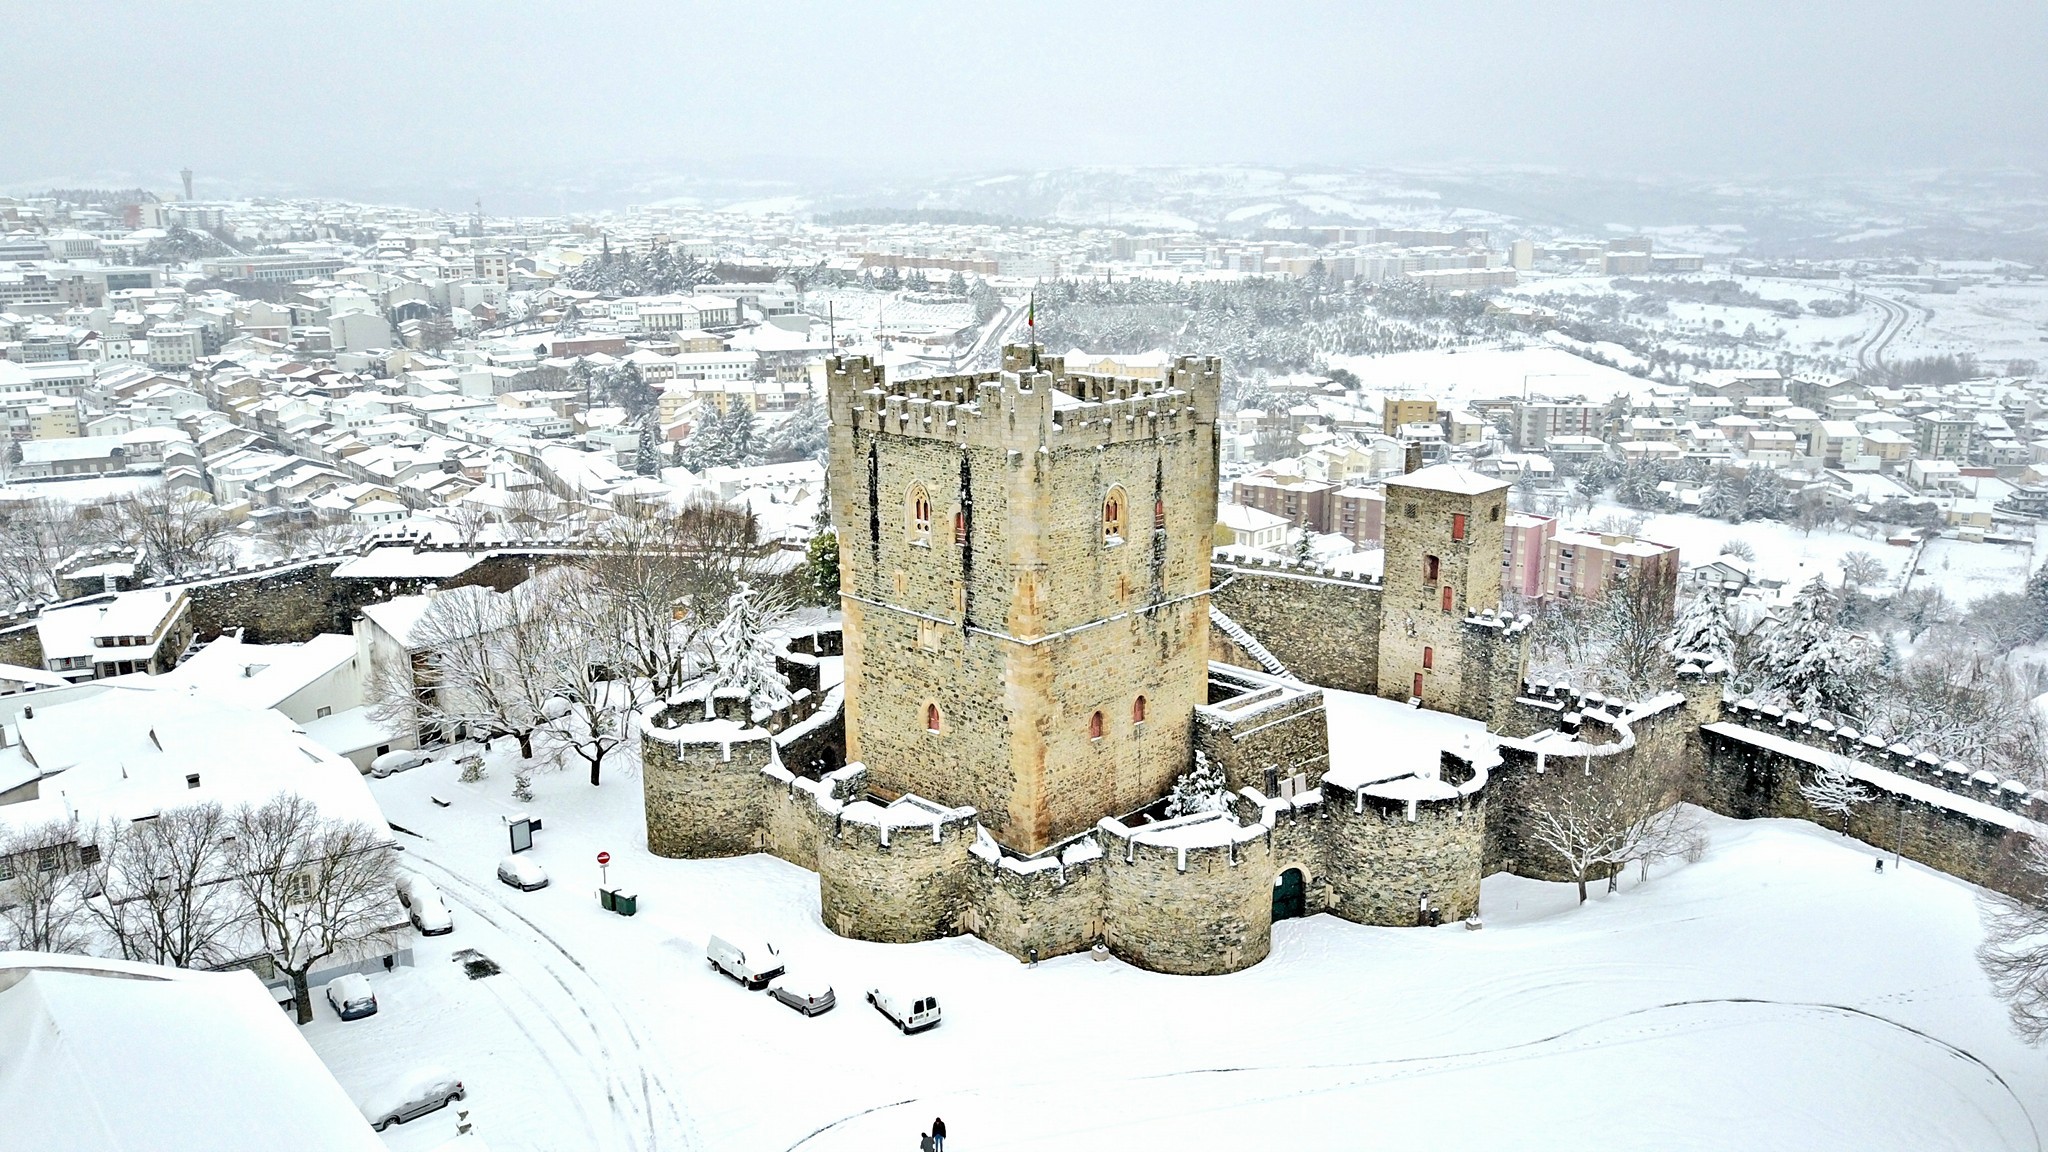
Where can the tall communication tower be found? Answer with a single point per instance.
(186, 175)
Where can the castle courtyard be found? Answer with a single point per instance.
(1777, 994)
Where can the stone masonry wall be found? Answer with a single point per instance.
(895, 885)
(1278, 726)
(1196, 911)
(1750, 782)
(1049, 907)
(1382, 862)
(1325, 629)
(703, 799)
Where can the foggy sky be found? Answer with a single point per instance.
(333, 97)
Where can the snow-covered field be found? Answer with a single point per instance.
(1455, 376)
(1777, 994)
(1963, 570)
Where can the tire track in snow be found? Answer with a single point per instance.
(1406, 1066)
(653, 1096)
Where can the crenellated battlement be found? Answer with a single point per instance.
(1026, 406)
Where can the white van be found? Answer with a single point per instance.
(751, 962)
(910, 1013)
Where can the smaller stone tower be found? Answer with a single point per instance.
(1444, 532)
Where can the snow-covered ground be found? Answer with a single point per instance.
(1454, 376)
(1963, 570)
(1777, 994)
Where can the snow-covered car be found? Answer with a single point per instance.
(351, 998)
(424, 1090)
(910, 1013)
(522, 873)
(403, 760)
(805, 994)
(751, 962)
(429, 914)
(412, 886)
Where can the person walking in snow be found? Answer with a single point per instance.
(1880, 865)
(938, 1134)
(925, 1143)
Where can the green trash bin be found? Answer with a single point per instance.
(625, 903)
(609, 898)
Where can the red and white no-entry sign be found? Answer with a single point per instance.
(603, 858)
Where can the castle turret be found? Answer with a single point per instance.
(1444, 532)
(1024, 574)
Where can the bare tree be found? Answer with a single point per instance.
(595, 716)
(1860, 568)
(2015, 949)
(489, 663)
(1593, 821)
(314, 886)
(162, 886)
(469, 519)
(180, 533)
(1634, 623)
(1835, 789)
(35, 538)
(42, 898)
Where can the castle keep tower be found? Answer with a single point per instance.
(1444, 531)
(1024, 571)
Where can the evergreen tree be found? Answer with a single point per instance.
(799, 437)
(822, 560)
(1807, 661)
(743, 652)
(1199, 789)
(646, 462)
(1704, 628)
(1767, 498)
(2036, 595)
(571, 324)
(1304, 546)
(741, 446)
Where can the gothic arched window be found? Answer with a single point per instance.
(920, 515)
(1113, 507)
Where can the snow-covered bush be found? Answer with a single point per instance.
(1199, 789)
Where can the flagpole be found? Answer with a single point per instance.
(1031, 323)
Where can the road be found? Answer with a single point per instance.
(1896, 319)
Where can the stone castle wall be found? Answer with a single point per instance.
(1324, 628)
(1918, 808)
(1259, 729)
(1188, 910)
(883, 879)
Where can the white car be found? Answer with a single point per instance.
(424, 1090)
(751, 962)
(522, 873)
(809, 996)
(351, 998)
(424, 905)
(909, 1013)
(403, 760)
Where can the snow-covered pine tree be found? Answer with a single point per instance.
(1304, 546)
(1767, 498)
(1807, 660)
(646, 462)
(743, 652)
(1704, 627)
(742, 446)
(1199, 789)
(1835, 789)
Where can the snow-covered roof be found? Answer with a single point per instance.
(259, 675)
(127, 755)
(107, 1056)
(398, 616)
(69, 632)
(400, 561)
(1450, 478)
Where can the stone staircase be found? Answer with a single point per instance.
(1257, 651)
